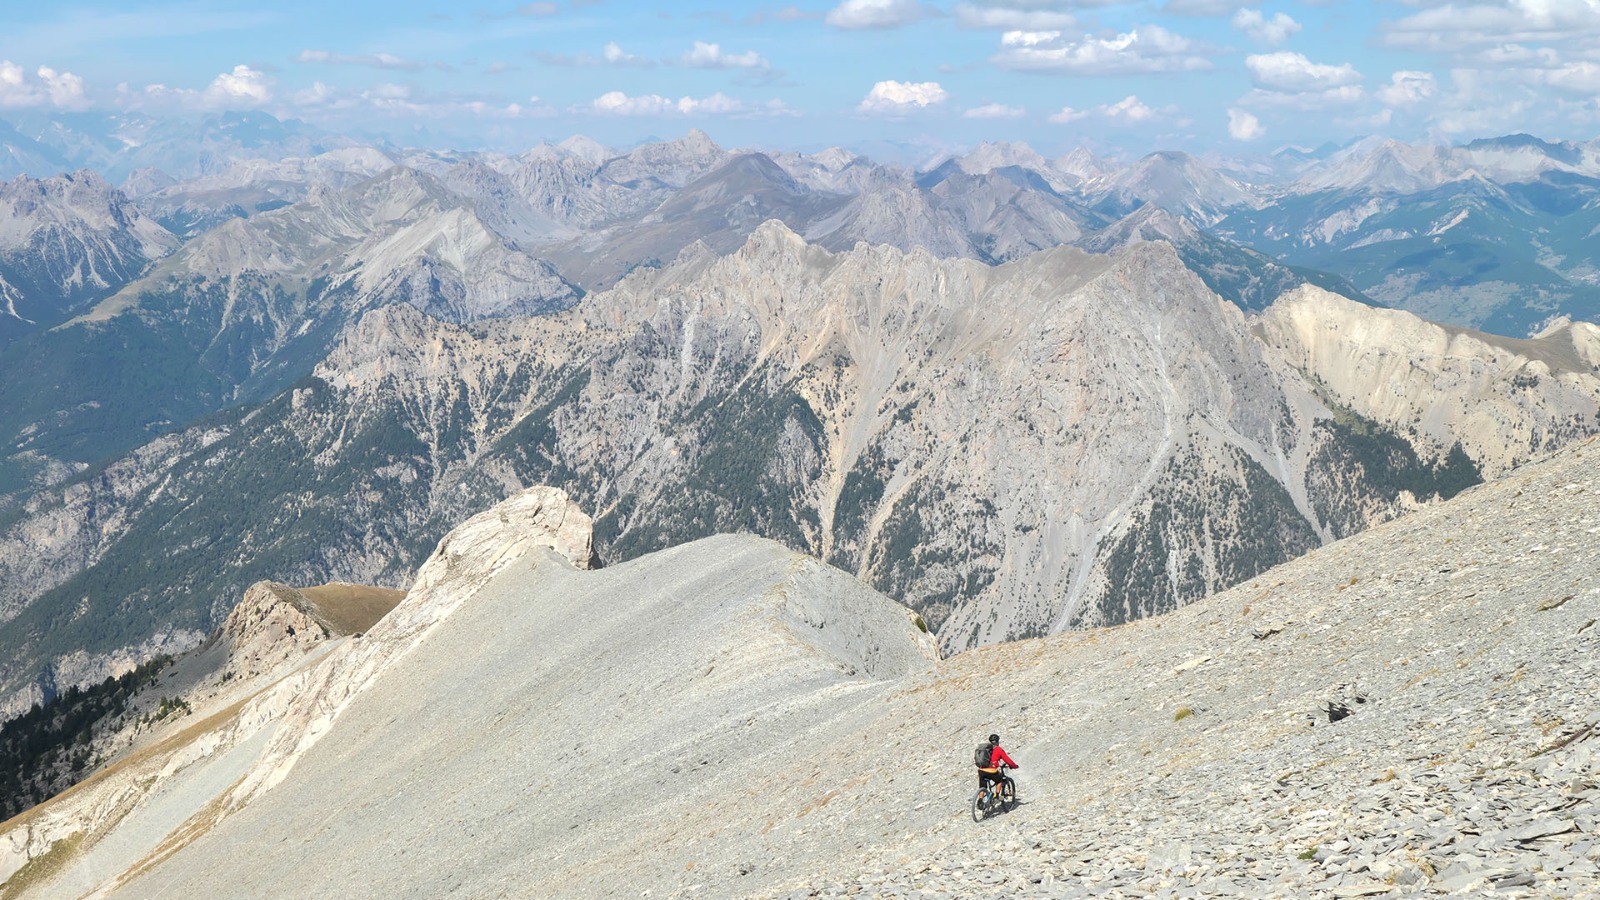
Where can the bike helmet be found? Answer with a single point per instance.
(994, 738)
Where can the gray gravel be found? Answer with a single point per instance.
(671, 728)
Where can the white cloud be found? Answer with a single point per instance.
(63, 90)
(241, 87)
(538, 9)
(1243, 126)
(898, 97)
(1011, 16)
(995, 111)
(1407, 88)
(403, 100)
(1148, 48)
(1579, 77)
(617, 103)
(14, 87)
(375, 60)
(615, 55)
(1203, 7)
(857, 14)
(611, 54)
(1259, 28)
(710, 56)
(1453, 29)
(1291, 73)
(1129, 110)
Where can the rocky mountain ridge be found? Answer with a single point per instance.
(1403, 712)
(67, 240)
(1062, 441)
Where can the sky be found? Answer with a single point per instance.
(905, 77)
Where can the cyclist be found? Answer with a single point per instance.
(989, 756)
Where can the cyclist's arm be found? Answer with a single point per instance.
(1002, 754)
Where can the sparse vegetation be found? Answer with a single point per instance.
(47, 749)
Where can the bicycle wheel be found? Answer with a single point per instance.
(979, 807)
(1008, 794)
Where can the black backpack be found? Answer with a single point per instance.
(984, 755)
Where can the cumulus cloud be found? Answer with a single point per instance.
(374, 60)
(1406, 88)
(1451, 28)
(1012, 15)
(1148, 48)
(900, 97)
(47, 87)
(995, 111)
(1582, 77)
(611, 54)
(1129, 110)
(1243, 126)
(617, 103)
(14, 87)
(1259, 28)
(1292, 73)
(64, 88)
(858, 14)
(241, 87)
(710, 56)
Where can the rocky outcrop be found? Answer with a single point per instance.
(275, 623)
(1504, 400)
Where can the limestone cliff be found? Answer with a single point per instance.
(1069, 439)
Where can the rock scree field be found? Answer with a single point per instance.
(1408, 712)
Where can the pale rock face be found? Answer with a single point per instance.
(287, 705)
(1062, 441)
(1506, 400)
(265, 630)
(673, 163)
(537, 519)
(1381, 166)
(66, 238)
(1178, 183)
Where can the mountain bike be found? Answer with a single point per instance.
(994, 797)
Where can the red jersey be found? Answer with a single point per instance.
(999, 755)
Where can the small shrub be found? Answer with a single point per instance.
(1307, 854)
(1183, 712)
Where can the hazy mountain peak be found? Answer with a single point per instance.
(65, 237)
(697, 141)
(587, 148)
(991, 155)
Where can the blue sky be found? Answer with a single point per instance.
(1195, 74)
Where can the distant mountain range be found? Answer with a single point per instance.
(1067, 439)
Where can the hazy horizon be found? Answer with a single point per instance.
(925, 78)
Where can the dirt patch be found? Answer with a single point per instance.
(344, 608)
